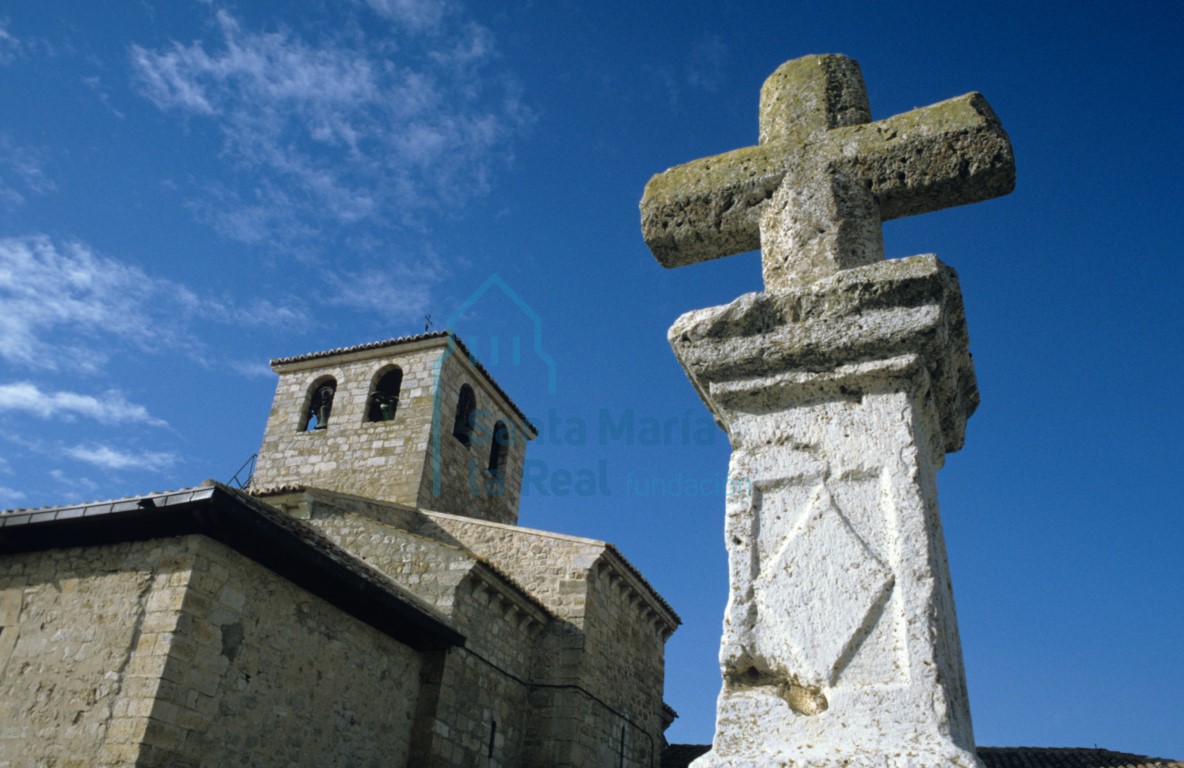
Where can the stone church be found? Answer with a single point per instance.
(369, 599)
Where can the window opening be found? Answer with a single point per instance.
(320, 405)
(384, 400)
(466, 407)
(499, 450)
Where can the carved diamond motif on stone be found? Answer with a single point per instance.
(820, 593)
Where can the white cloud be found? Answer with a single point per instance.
(9, 496)
(106, 457)
(10, 47)
(253, 369)
(95, 84)
(65, 306)
(397, 293)
(416, 14)
(111, 408)
(92, 298)
(22, 171)
(74, 481)
(343, 130)
(702, 70)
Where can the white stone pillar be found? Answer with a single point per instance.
(840, 644)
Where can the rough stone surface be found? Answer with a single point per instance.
(607, 640)
(566, 641)
(812, 194)
(841, 389)
(840, 642)
(183, 652)
(92, 710)
(153, 653)
(414, 459)
(799, 342)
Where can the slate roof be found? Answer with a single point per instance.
(460, 345)
(294, 550)
(1066, 757)
(681, 755)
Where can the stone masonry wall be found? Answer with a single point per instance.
(481, 695)
(592, 676)
(413, 459)
(627, 652)
(552, 567)
(484, 710)
(85, 633)
(456, 476)
(426, 568)
(598, 670)
(381, 460)
(567, 728)
(611, 713)
(181, 652)
(261, 673)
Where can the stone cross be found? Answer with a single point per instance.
(812, 194)
(842, 387)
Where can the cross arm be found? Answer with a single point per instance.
(951, 153)
(710, 208)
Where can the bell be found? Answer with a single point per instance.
(325, 396)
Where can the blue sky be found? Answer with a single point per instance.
(188, 189)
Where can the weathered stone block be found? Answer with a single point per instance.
(813, 193)
(840, 399)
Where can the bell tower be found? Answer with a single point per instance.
(415, 420)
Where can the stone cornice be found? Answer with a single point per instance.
(510, 598)
(857, 325)
(620, 575)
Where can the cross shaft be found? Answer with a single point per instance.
(813, 192)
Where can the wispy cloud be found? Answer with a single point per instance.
(705, 69)
(339, 130)
(110, 408)
(100, 304)
(106, 457)
(701, 70)
(96, 85)
(10, 46)
(74, 482)
(22, 172)
(251, 369)
(398, 293)
(93, 298)
(418, 15)
(9, 496)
